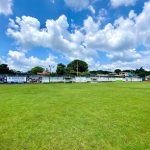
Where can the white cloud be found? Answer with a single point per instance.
(91, 8)
(77, 5)
(6, 7)
(142, 25)
(119, 39)
(90, 26)
(102, 14)
(123, 34)
(119, 36)
(125, 56)
(27, 33)
(141, 61)
(80, 5)
(18, 60)
(117, 3)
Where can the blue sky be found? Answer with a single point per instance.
(107, 34)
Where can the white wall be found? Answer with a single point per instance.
(89, 79)
(80, 79)
(133, 79)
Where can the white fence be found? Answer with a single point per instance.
(80, 79)
(52, 79)
(90, 79)
(133, 79)
(47, 79)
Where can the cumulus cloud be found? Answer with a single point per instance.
(112, 37)
(77, 5)
(102, 15)
(6, 7)
(118, 3)
(27, 33)
(123, 34)
(80, 5)
(139, 60)
(143, 62)
(142, 25)
(125, 56)
(18, 60)
(119, 39)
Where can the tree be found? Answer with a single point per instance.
(61, 69)
(4, 69)
(70, 71)
(95, 72)
(141, 72)
(77, 66)
(14, 72)
(36, 70)
(117, 71)
(46, 70)
(85, 73)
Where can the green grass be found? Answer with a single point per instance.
(109, 116)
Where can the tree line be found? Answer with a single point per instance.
(74, 68)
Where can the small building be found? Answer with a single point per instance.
(147, 78)
(124, 74)
(43, 73)
(113, 74)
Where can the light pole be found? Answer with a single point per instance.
(77, 68)
(50, 70)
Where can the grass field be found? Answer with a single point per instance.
(109, 116)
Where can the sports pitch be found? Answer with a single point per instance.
(109, 116)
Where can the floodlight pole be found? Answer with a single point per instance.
(77, 68)
(49, 72)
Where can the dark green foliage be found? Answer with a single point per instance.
(84, 73)
(70, 71)
(141, 72)
(99, 72)
(77, 65)
(117, 71)
(4, 69)
(36, 70)
(61, 69)
(72, 68)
